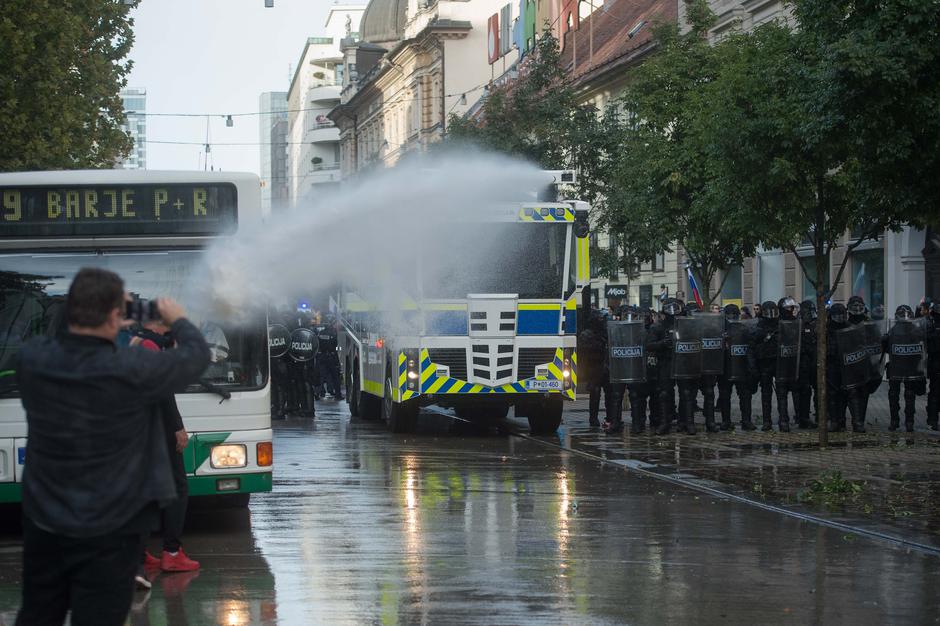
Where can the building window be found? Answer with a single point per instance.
(868, 276)
(659, 263)
(809, 292)
(593, 245)
(731, 291)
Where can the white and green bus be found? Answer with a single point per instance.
(151, 228)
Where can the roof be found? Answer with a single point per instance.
(612, 26)
(383, 21)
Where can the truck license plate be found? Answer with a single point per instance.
(543, 385)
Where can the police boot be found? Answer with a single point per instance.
(710, 424)
(664, 427)
(909, 422)
(895, 420)
(767, 409)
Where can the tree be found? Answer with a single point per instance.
(63, 67)
(794, 144)
(662, 179)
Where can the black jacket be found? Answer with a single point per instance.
(96, 454)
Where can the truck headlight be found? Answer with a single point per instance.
(228, 456)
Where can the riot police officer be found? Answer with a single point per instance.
(904, 344)
(660, 341)
(933, 367)
(787, 381)
(641, 393)
(592, 350)
(838, 320)
(806, 384)
(327, 357)
(766, 347)
(739, 367)
(858, 396)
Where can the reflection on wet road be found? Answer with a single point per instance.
(365, 527)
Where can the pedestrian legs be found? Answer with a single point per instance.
(894, 403)
(766, 400)
(688, 389)
(708, 397)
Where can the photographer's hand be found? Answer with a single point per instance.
(170, 310)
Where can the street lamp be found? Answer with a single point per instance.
(228, 121)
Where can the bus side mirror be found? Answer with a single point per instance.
(582, 226)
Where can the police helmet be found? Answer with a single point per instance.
(769, 310)
(672, 307)
(904, 312)
(789, 306)
(878, 312)
(692, 307)
(838, 313)
(856, 306)
(732, 312)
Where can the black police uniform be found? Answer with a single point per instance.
(933, 367)
(592, 349)
(742, 349)
(837, 398)
(641, 394)
(328, 359)
(913, 386)
(806, 384)
(660, 342)
(858, 396)
(786, 388)
(766, 347)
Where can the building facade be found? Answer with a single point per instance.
(418, 61)
(889, 271)
(135, 124)
(313, 139)
(273, 148)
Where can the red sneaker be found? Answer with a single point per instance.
(150, 561)
(178, 562)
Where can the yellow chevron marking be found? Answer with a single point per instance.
(437, 384)
(428, 373)
(539, 307)
(457, 387)
(555, 371)
(401, 358)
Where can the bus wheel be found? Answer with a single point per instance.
(545, 418)
(352, 392)
(401, 417)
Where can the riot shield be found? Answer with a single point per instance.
(627, 344)
(687, 348)
(853, 356)
(906, 350)
(278, 340)
(738, 353)
(713, 345)
(874, 330)
(789, 335)
(303, 344)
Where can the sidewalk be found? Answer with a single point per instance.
(885, 481)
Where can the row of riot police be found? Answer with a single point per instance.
(304, 363)
(691, 352)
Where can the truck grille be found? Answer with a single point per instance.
(454, 358)
(530, 357)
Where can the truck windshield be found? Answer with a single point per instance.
(32, 302)
(527, 259)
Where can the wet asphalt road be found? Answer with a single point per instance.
(454, 526)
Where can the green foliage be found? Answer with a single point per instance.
(663, 189)
(64, 62)
(537, 118)
(831, 490)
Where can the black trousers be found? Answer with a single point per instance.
(806, 392)
(724, 399)
(594, 402)
(894, 401)
(784, 390)
(640, 394)
(329, 373)
(94, 577)
(174, 516)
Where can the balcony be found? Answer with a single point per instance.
(323, 133)
(324, 95)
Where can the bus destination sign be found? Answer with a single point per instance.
(118, 210)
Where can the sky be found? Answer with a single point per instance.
(215, 56)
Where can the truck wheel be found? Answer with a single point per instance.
(401, 417)
(545, 418)
(352, 393)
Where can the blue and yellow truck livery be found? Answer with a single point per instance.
(503, 337)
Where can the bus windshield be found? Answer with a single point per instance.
(32, 302)
(527, 259)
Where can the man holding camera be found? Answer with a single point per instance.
(98, 468)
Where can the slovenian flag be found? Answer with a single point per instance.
(694, 288)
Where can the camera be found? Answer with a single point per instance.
(141, 310)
